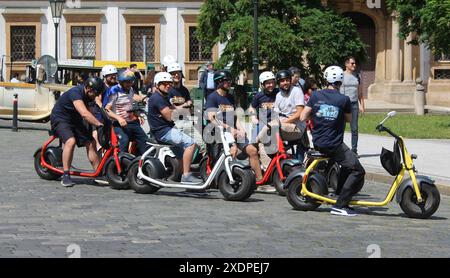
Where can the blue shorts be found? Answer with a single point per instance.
(179, 140)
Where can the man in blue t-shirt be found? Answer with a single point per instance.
(330, 111)
(67, 123)
(220, 108)
(162, 126)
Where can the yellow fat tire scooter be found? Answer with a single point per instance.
(417, 195)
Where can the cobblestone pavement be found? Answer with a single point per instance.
(39, 218)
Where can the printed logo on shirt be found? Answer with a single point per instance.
(328, 112)
(226, 108)
(178, 100)
(267, 105)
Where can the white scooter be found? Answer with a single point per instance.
(236, 181)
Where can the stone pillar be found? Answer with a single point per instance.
(395, 56)
(419, 98)
(408, 61)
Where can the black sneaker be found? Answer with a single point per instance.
(345, 211)
(66, 181)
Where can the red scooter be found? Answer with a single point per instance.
(280, 166)
(114, 164)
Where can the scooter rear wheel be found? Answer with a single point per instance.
(142, 186)
(317, 185)
(244, 187)
(43, 172)
(431, 199)
(173, 168)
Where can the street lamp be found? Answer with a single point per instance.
(57, 7)
(255, 47)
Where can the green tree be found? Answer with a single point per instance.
(291, 33)
(429, 19)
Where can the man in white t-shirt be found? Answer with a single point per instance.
(288, 105)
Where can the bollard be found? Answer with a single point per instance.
(419, 97)
(15, 112)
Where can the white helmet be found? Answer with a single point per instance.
(163, 76)
(173, 67)
(167, 60)
(109, 69)
(266, 75)
(334, 74)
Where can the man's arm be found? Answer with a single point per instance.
(84, 112)
(295, 117)
(166, 112)
(306, 114)
(114, 116)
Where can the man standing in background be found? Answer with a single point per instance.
(350, 87)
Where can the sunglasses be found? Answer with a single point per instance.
(166, 83)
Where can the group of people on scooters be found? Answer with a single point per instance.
(279, 105)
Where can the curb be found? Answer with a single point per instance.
(444, 189)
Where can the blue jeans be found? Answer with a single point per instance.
(354, 125)
(179, 140)
(132, 131)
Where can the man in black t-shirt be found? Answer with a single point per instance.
(330, 111)
(220, 107)
(67, 123)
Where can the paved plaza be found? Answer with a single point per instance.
(40, 218)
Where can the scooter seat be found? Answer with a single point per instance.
(316, 154)
(152, 141)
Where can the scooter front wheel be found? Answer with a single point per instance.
(43, 172)
(142, 186)
(317, 185)
(242, 189)
(116, 180)
(431, 199)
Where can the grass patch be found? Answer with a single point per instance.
(408, 125)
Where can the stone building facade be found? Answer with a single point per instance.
(113, 30)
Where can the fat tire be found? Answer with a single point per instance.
(142, 186)
(305, 203)
(116, 181)
(431, 197)
(246, 187)
(43, 172)
(277, 183)
(173, 166)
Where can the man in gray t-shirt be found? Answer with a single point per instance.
(289, 104)
(350, 87)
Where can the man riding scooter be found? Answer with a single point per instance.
(162, 126)
(67, 123)
(220, 107)
(329, 111)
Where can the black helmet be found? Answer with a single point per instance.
(95, 83)
(283, 74)
(221, 75)
(294, 70)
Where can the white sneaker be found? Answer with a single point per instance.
(265, 188)
(343, 211)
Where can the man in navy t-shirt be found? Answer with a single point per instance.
(330, 111)
(67, 123)
(220, 107)
(161, 124)
(262, 111)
